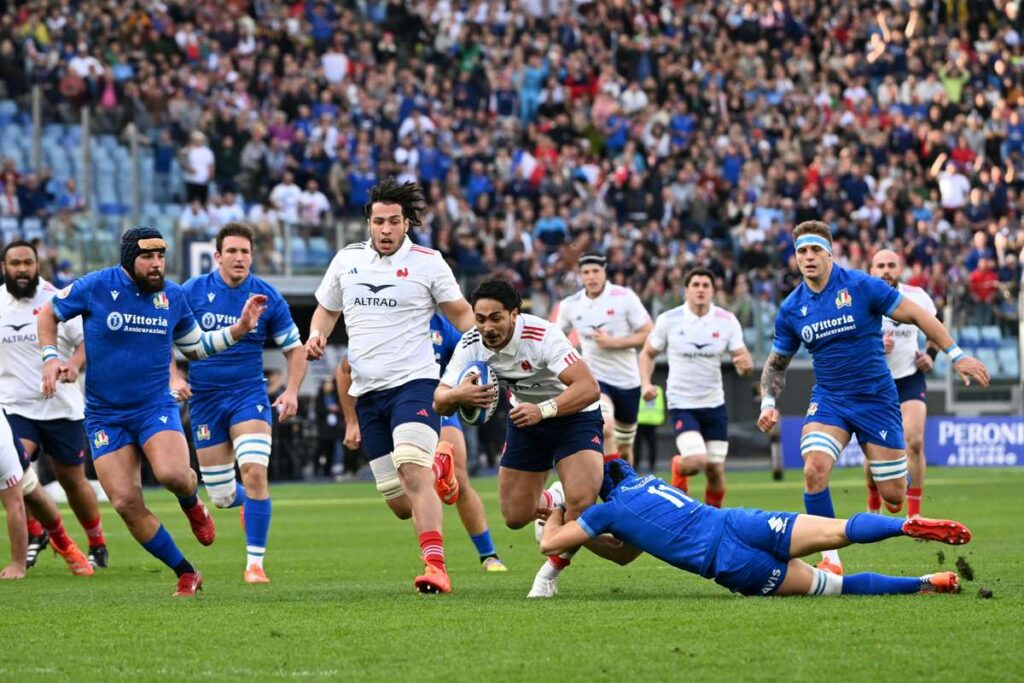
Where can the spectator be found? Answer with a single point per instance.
(313, 206)
(330, 429)
(195, 222)
(198, 167)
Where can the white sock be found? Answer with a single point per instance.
(548, 571)
(832, 556)
(254, 556)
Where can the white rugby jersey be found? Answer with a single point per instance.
(530, 363)
(619, 312)
(21, 366)
(387, 302)
(695, 345)
(904, 336)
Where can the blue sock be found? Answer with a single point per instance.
(819, 503)
(867, 583)
(163, 548)
(257, 522)
(864, 527)
(484, 544)
(239, 495)
(189, 502)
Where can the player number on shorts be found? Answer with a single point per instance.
(674, 496)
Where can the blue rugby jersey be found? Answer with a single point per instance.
(129, 336)
(660, 520)
(215, 305)
(445, 337)
(841, 326)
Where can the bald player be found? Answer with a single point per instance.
(908, 365)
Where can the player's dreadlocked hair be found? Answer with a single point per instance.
(407, 195)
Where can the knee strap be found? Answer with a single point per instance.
(886, 470)
(29, 481)
(820, 442)
(626, 435)
(607, 407)
(691, 443)
(414, 443)
(219, 481)
(253, 449)
(717, 451)
(386, 477)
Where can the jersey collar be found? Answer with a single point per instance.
(218, 280)
(397, 257)
(689, 313)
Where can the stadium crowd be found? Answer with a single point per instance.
(667, 134)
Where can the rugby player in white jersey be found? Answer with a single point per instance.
(612, 324)
(908, 365)
(696, 335)
(555, 420)
(388, 288)
(53, 426)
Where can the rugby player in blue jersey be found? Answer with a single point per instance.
(131, 319)
(837, 314)
(229, 410)
(751, 552)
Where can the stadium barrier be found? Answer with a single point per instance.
(995, 441)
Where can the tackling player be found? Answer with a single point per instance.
(229, 411)
(837, 314)
(388, 288)
(131, 317)
(908, 366)
(751, 552)
(54, 426)
(696, 334)
(612, 324)
(556, 420)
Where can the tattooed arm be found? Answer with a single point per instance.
(773, 379)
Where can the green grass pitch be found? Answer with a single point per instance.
(342, 607)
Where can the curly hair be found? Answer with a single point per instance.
(407, 195)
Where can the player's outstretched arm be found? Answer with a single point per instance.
(560, 537)
(459, 313)
(647, 357)
(195, 344)
(287, 403)
(969, 369)
(320, 329)
(343, 382)
(773, 380)
(46, 330)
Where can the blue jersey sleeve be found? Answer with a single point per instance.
(73, 300)
(882, 297)
(597, 519)
(186, 320)
(452, 337)
(787, 342)
(279, 322)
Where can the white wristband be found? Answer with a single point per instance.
(767, 402)
(548, 408)
(955, 353)
(313, 334)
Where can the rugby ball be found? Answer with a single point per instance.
(484, 375)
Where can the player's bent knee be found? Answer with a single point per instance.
(825, 583)
(625, 435)
(915, 447)
(717, 452)
(253, 449)
(517, 519)
(386, 477)
(29, 481)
